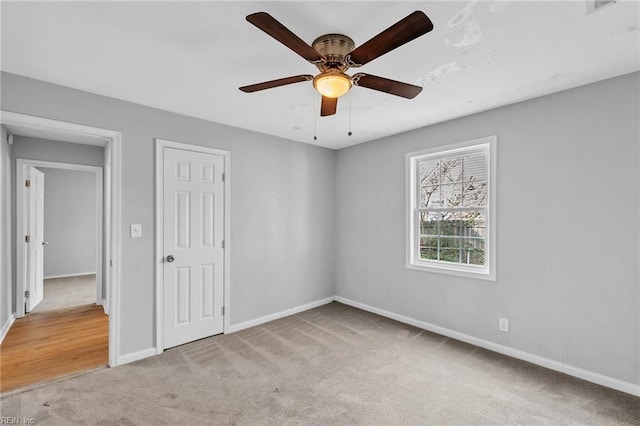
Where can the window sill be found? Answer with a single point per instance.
(477, 273)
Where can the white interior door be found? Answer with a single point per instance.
(193, 270)
(35, 231)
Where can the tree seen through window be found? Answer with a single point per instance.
(452, 210)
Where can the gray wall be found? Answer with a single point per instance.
(56, 151)
(282, 204)
(69, 222)
(302, 217)
(6, 308)
(567, 224)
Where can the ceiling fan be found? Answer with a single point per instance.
(334, 54)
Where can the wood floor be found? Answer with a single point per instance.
(44, 346)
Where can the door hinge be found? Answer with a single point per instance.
(223, 310)
(27, 239)
(27, 294)
(223, 177)
(27, 183)
(222, 244)
(110, 262)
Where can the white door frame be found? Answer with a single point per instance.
(22, 169)
(159, 255)
(111, 141)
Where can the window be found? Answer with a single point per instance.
(451, 209)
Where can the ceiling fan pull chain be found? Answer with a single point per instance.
(350, 95)
(315, 115)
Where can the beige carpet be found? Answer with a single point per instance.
(330, 365)
(67, 292)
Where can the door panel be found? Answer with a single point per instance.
(207, 220)
(193, 231)
(35, 230)
(183, 295)
(183, 220)
(208, 284)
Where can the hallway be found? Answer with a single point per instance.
(67, 292)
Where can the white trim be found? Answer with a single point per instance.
(6, 327)
(136, 356)
(551, 364)
(79, 274)
(159, 253)
(107, 209)
(113, 162)
(93, 135)
(21, 276)
(99, 235)
(111, 141)
(281, 314)
(22, 166)
(487, 272)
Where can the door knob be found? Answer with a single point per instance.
(170, 258)
(44, 243)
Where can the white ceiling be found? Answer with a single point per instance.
(190, 58)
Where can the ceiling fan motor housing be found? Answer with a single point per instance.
(334, 48)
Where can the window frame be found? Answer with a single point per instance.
(413, 261)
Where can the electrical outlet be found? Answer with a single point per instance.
(503, 325)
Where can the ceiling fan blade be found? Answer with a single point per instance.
(276, 83)
(386, 85)
(403, 31)
(328, 106)
(275, 29)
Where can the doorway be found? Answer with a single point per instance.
(110, 141)
(61, 210)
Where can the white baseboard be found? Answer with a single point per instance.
(105, 307)
(551, 364)
(6, 326)
(79, 274)
(278, 315)
(136, 356)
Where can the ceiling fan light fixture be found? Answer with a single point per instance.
(332, 83)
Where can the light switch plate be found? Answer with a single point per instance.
(136, 230)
